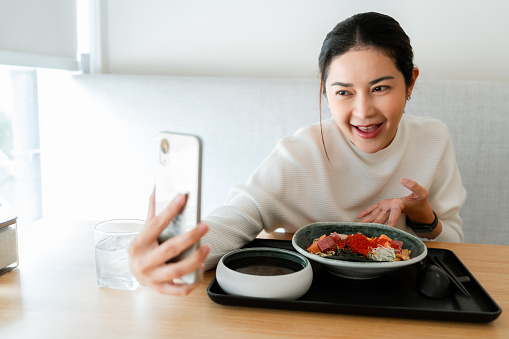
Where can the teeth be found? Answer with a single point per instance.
(367, 129)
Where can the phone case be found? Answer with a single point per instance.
(179, 171)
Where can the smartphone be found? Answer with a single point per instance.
(178, 170)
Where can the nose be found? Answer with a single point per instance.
(363, 107)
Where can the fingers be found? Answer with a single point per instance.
(382, 217)
(378, 216)
(174, 246)
(376, 213)
(169, 272)
(152, 205)
(173, 288)
(158, 223)
(367, 211)
(393, 218)
(418, 192)
(149, 264)
(386, 211)
(148, 259)
(173, 209)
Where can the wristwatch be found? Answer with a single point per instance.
(422, 228)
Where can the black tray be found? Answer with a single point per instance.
(394, 294)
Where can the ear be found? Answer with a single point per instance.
(415, 74)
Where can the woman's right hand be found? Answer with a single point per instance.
(148, 258)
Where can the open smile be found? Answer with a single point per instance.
(368, 131)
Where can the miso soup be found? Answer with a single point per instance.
(264, 265)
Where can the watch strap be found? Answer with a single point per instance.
(420, 227)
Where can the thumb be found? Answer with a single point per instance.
(417, 190)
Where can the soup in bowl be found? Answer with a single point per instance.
(263, 272)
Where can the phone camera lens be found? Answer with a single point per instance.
(165, 146)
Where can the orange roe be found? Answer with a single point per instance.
(361, 244)
(382, 242)
(343, 243)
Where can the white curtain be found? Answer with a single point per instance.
(38, 33)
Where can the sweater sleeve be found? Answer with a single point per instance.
(232, 225)
(272, 198)
(245, 214)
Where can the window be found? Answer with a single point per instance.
(43, 37)
(20, 182)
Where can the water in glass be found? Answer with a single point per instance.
(113, 263)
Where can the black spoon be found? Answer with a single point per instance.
(433, 282)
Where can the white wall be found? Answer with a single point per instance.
(98, 135)
(453, 40)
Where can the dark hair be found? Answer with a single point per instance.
(366, 30)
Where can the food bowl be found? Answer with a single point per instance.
(353, 269)
(263, 272)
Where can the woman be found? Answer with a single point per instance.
(369, 163)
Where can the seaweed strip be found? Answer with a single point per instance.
(348, 255)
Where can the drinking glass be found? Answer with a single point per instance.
(112, 260)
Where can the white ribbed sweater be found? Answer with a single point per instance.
(296, 185)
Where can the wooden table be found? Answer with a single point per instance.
(54, 294)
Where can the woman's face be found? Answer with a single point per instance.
(367, 95)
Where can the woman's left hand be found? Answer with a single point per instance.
(388, 211)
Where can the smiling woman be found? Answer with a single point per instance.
(349, 168)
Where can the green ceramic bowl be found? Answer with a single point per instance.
(353, 269)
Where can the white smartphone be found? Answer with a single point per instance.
(178, 170)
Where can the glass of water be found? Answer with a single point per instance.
(112, 260)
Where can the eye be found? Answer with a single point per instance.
(342, 92)
(380, 88)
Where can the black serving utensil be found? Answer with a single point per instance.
(451, 276)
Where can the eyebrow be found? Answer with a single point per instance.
(372, 82)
